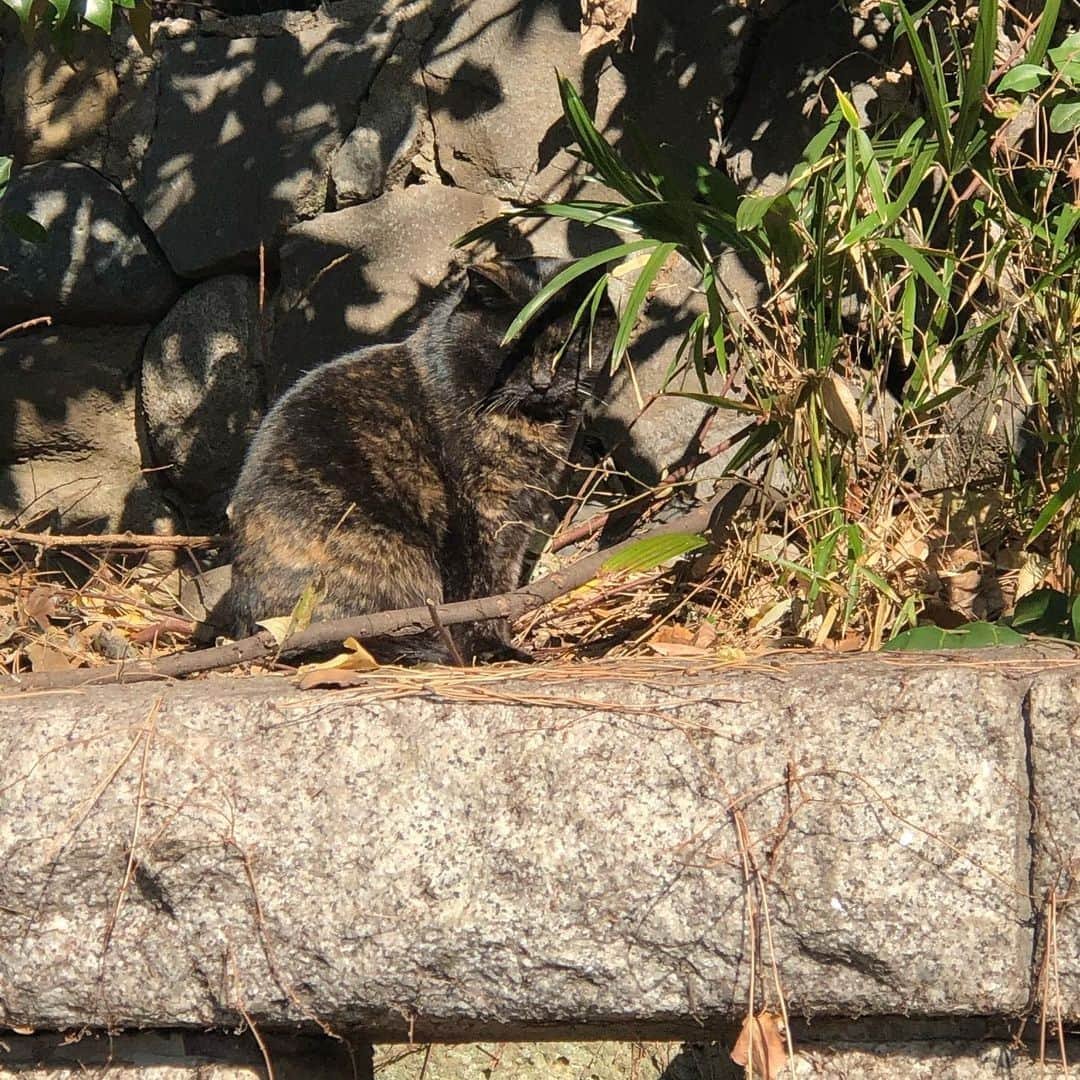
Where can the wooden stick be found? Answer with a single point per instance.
(41, 320)
(132, 540)
(510, 605)
(586, 530)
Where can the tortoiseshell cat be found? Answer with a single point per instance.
(419, 470)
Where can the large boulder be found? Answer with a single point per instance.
(98, 262)
(269, 100)
(93, 104)
(781, 104)
(495, 106)
(365, 274)
(203, 390)
(69, 451)
(519, 856)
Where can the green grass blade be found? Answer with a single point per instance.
(596, 150)
(650, 551)
(1043, 36)
(939, 113)
(976, 78)
(918, 262)
(637, 298)
(1054, 505)
(565, 277)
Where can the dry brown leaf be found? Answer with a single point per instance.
(40, 605)
(356, 659)
(603, 21)
(327, 679)
(840, 405)
(674, 648)
(46, 658)
(670, 632)
(770, 1049)
(705, 636)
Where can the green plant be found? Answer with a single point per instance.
(22, 225)
(1058, 85)
(942, 248)
(62, 19)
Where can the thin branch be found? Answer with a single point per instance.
(41, 320)
(127, 539)
(318, 635)
(586, 530)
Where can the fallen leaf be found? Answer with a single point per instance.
(40, 605)
(679, 635)
(328, 680)
(675, 649)
(356, 659)
(840, 405)
(603, 21)
(705, 636)
(46, 658)
(278, 626)
(770, 1049)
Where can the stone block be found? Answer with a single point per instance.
(366, 274)
(535, 856)
(97, 263)
(1054, 718)
(203, 390)
(69, 447)
(267, 102)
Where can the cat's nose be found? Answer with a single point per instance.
(541, 381)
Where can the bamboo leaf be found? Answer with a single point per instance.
(637, 298)
(99, 13)
(976, 77)
(25, 228)
(975, 635)
(1044, 35)
(939, 115)
(1065, 117)
(21, 8)
(651, 551)
(1022, 78)
(565, 277)
(918, 262)
(1054, 505)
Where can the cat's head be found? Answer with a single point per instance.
(551, 368)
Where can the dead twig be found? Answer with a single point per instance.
(586, 530)
(41, 320)
(444, 634)
(408, 621)
(127, 539)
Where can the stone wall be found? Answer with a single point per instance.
(496, 857)
(341, 150)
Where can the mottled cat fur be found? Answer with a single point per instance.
(418, 470)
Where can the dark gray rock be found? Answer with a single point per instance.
(379, 150)
(268, 100)
(495, 104)
(69, 451)
(203, 390)
(97, 264)
(558, 856)
(780, 107)
(365, 274)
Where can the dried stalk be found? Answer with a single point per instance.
(318, 635)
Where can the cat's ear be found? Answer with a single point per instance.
(490, 284)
